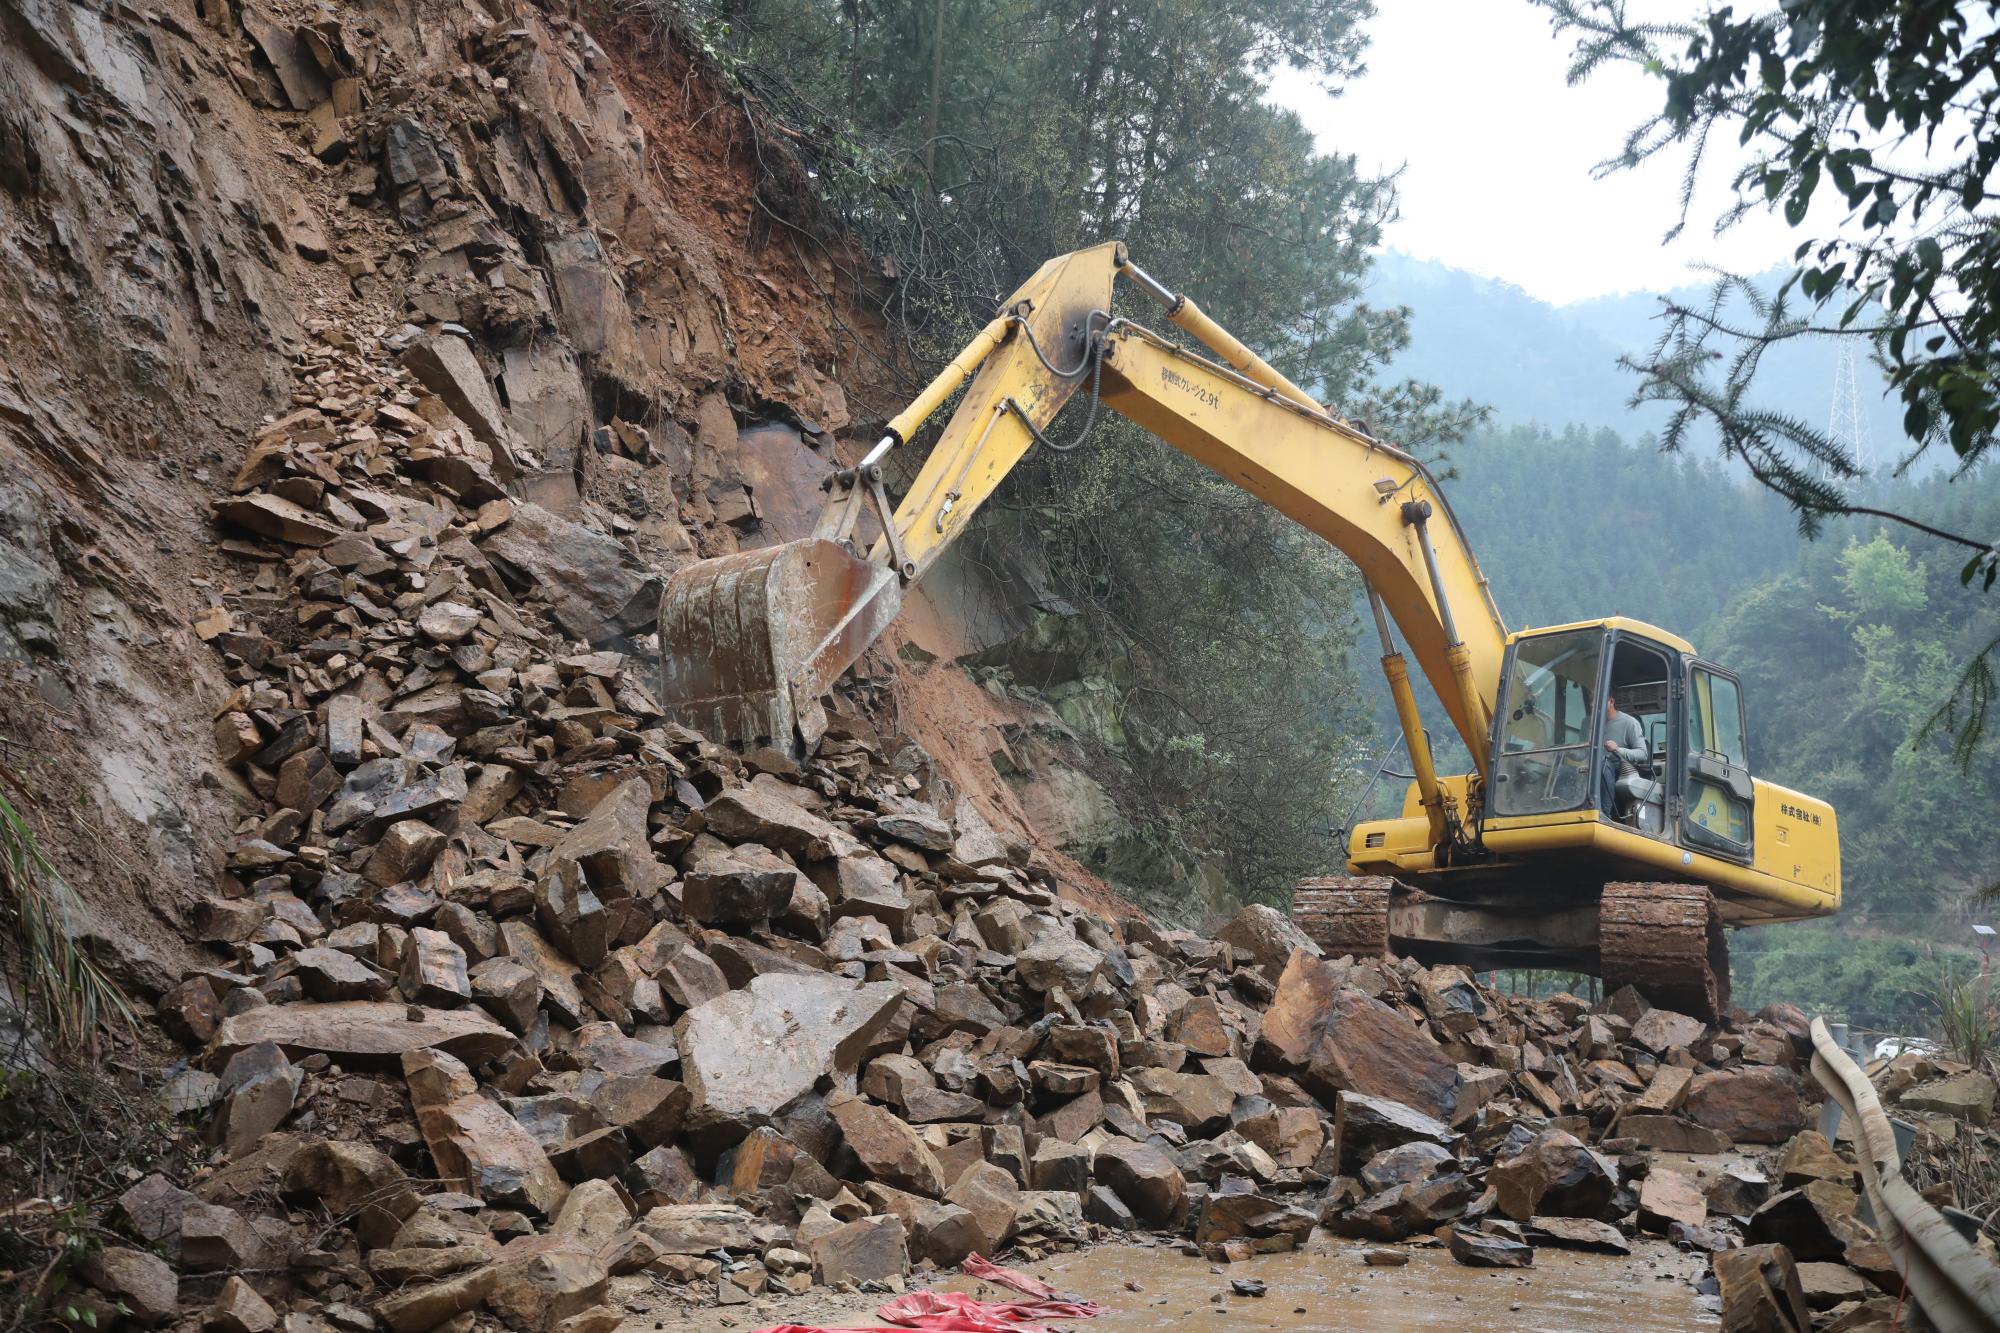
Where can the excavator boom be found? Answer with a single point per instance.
(749, 641)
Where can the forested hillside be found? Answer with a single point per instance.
(1554, 366)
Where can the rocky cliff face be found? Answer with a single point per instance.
(558, 230)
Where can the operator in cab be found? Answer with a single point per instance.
(1625, 750)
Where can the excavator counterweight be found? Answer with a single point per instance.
(1565, 847)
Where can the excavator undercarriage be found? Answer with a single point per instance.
(1664, 939)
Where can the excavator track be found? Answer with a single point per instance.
(1345, 914)
(1667, 941)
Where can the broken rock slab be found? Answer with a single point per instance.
(750, 1053)
(596, 588)
(359, 1033)
(1332, 1037)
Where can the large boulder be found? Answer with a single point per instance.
(1751, 1105)
(1334, 1038)
(748, 1054)
(1268, 936)
(1145, 1180)
(1555, 1174)
(888, 1149)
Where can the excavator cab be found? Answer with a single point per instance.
(1549, 735)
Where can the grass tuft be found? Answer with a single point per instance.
(64, 986)
(1967, 1019)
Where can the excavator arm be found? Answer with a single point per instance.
(749, 642)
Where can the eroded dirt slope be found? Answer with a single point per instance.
(571, 235)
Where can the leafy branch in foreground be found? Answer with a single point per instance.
(1887, 111)
(68, 989)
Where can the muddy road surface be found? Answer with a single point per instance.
(1320, 1289)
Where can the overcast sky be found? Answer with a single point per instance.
(1469, 98)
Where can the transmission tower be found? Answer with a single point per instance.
(1845, 425)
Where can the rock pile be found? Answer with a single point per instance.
(530, 994)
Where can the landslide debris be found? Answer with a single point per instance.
(526, 1001)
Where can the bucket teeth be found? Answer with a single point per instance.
(749, 642)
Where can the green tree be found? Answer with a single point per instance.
(1885, 110)
(964, 143)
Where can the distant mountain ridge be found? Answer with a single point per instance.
(1541, 364)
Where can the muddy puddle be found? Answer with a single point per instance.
(1325, 1287)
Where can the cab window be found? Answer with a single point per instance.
(1545, 724)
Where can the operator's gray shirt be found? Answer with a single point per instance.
(1625, 732)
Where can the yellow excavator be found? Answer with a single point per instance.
(1562, 849)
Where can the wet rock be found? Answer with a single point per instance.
(725, 889)
(1403, 1210)
(1145, 1179)
(1364, 1126)
(1247, 1216)
(1408, 1164)
(1739, 1190)
(1334, 1038)
(1555, 1174)
(1102, 1205)
(1752, 1105)
(1814, 1222)
(1479, 1249)
(750, 1053)
(1760, 1291)
(873, 1249)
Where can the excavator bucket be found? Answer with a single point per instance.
(749, 642)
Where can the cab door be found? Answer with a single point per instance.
(1716, 793)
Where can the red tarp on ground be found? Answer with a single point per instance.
(950, 1312)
